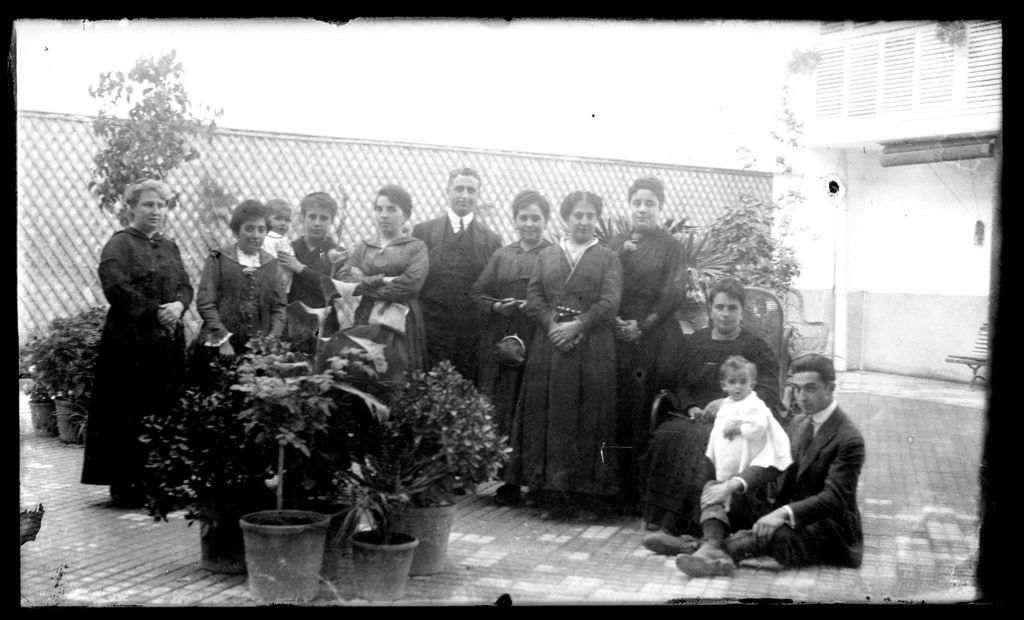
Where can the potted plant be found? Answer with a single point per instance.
(287, 407)
(40, 397)
(202, 460)
(377, 487)
(438, 440)
(315, 481)
(65, 363)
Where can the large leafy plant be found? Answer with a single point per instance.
(447, 426)
(439, 438)
(64, 359)
(288, 407)
(147, 125)
(705, 263)
(200, 455)
(31, 381)
(740, 242)
(226, 440)
(743, 236)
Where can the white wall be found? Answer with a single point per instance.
(911, 286)
(912, 227)
(812, 228)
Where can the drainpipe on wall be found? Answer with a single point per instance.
(840, 294)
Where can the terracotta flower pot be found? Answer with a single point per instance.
(69, 425)
(222, 546)
(432, 526)
(284, 552)
(44, 422)
(336, 546)
(381, 570)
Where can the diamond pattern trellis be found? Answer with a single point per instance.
(61, 230)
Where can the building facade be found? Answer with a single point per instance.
(901, 174)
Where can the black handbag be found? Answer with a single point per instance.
(510, 351)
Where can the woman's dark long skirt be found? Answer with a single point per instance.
(133, 379)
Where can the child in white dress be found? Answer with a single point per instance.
(745, 431)
(279, 219)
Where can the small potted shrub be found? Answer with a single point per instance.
(202, 460)
(377, 488)
(40, 397)
(65, 362)
(207, 459)
(439, 440)
(287, 407)
(40, 402)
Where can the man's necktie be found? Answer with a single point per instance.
(462, 226)
(805, 438)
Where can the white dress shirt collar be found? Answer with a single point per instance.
(453, 219)
(819, 418)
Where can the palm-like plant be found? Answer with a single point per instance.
(705, 262)
(607, 230)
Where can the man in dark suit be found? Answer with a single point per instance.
(458, 248)
(814, 519)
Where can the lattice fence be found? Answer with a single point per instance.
(61, 230)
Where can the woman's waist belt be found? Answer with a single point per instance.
(565, 315)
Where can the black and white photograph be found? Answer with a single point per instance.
(405, 312)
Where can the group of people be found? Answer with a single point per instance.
(595, 323)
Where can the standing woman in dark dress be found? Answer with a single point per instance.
(500, 292)
(568, 398)
(648, 338)
(141, 365)
(241, 294)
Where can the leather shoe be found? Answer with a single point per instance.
(664, 543)
(534, 498)
(741, 545)
(508, 495)
(707, 561)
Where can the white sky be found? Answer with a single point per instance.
(671, 92)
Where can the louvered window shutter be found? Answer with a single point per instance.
(984, 65)
(829, 83)
(898, 74)
(936, 73)
(907, 69)
(863, 82)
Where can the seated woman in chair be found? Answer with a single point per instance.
(674, 468)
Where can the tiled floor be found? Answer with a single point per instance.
(918, 496)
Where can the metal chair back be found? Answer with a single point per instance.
(764, 314)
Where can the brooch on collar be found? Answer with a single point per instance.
(631, 244)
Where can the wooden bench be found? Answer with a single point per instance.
(978, 359)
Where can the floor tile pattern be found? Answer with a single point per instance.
(918, 496)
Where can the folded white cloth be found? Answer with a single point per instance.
(345, 289)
